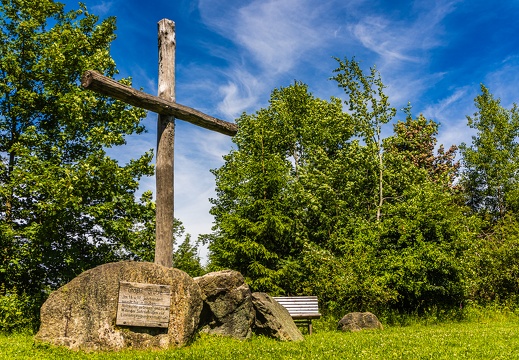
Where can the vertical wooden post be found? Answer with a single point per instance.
(164, 171)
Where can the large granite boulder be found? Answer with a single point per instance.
(228, 309)
(82, 314)
(273, 320)
(358, 321)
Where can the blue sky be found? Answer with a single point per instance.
(231, 54)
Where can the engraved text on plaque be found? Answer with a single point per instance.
(143, 305)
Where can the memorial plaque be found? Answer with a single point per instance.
(143, 305)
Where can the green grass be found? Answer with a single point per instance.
(495, 338)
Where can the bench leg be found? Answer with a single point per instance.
(310, 327)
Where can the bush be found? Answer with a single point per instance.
(494, 265)
(17, 311)
(345, 283)
(410, 262)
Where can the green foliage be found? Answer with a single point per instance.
(141, 226)
(17, 312)
(305, 207)
(312, 201)
(347, 282)
(261, 210)
(422, 240)
(413, 142)
(491, 163)
(409, 261)
(186, 256)
(366, 100)
(65, 206)
(489, 179)
(371, 109)
(494, 265)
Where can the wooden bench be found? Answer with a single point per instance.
(302, 309)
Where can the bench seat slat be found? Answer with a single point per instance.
(306, 316)
(302, 311)
(301, 308)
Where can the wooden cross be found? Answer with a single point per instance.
(165, 106)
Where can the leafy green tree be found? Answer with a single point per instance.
(65, 206)
(370, 108)
(425, 230)
(493, 262)
(489, 179)
(410, 259)
(414, 141)
(421, 244)
(491, 162)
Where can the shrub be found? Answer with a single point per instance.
(494, 265)
(17, 311)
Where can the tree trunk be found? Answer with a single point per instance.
(380, 186)
(380, 175)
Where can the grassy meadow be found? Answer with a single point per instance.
(484, 337)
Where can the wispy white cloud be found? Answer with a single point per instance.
(401, 43)
(378, 34)
(271, 39)
(102, 8)
(404, 87)
(241, 93)
(451, 113)
(277, 33)
(274, 34)
(409, 38)
(455, 133)
(223, 93)
(502, 81)
(442, 110)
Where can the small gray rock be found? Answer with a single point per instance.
(358, 321)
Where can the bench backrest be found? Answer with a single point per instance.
(299, 305)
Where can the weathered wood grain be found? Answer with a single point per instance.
(101, 84)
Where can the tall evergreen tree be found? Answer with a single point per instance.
(265, 204)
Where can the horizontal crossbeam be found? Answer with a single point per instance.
(93, 80)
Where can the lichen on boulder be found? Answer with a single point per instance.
(273, 320)
(228, 309)
(82, 314)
